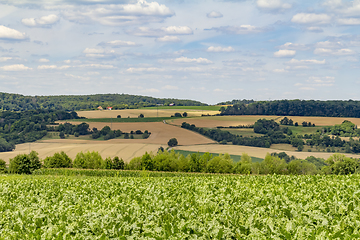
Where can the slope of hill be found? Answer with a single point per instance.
(18, 102)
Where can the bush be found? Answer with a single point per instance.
(88, 160)
(141, 115)
(118, 163)
(77, 134)
(59, 160)
(178, 115)
(25, 163)
(184, 114)
(62, 135)
(2, 165)
(118, 116)
(172, 142)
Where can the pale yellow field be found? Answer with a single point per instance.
(253, 151)
(134, 113)
(226, 121)
(160, 132)
(110, 148)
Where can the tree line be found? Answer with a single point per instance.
(348, 108)
(203, 163)
(18, 102)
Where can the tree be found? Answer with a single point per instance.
(118, 163)
(141, 115)
(62, 135)
(118, 116)
(172, 142)
(184, 114)
(25, 163)
(178, 115)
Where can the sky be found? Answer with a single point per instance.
(205, 50)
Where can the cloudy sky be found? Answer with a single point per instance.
(207, 50)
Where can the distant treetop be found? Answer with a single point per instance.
(18, 102)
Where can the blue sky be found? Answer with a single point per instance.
(204, 50)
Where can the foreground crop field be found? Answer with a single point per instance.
(212, 207)
(111, 148)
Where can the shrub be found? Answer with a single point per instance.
(77, 134)
(59, 160)
(2, 165)
(141, 115)
(25, 163)
(62, 135)
(178, 115)
(172, 142)
(88, 160)
(118, 163)
(118, 116)
(184, 114)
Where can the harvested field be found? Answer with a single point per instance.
(224, 121)
(160, 132)
(253, 151)
(322, 121)
(110, 148)
(134, 113)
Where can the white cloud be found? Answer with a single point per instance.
(314, 29)
(46, 67)
(119, 14)
(96, 65)
(44, 60)
(349, 21)
(311, 18)
(272, 4)
(279, 70)
(4, 59)
(170, 87)
(242, 29)
(168, 39)
(338, 52)
(306, 61)
(329, 44)
(119, 43)
(160, 32)
(214, 14)
(285, 53)
(220, 49)
(192, 60)
(294, 46)
(93, 50)
(15, 67)
(139, 70)
(151, 90)
(44, 21)
(77, 77)
(11, 34)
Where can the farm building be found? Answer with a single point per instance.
(99, 108)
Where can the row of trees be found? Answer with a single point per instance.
(290, 122)
(18, 102)
(296, 108)
(196, 162)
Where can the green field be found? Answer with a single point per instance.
(193, 207)
(145, 119)
(303, 130)
(205, 108)
(236, 158)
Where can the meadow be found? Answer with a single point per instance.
(188, 207)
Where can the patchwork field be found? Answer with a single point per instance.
(253, 151)
(226, 121)
(160, 132)
(110, 148)
(152, 112)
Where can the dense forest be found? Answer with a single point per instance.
(27, 126)
(18, 102)
(296, 108)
